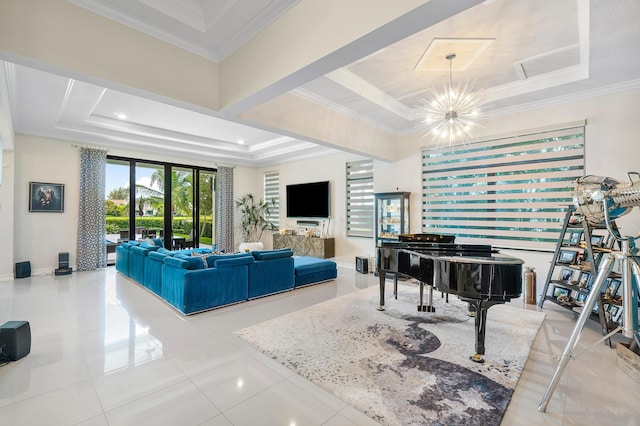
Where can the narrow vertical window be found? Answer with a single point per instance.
(360, 198)
(272, 193)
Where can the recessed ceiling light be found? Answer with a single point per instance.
(121, 116)
(241, 141)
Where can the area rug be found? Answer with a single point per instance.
(401, 366)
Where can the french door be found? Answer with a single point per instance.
(173, 202)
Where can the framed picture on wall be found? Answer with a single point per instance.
(46, 197)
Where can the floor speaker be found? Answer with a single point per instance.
(15, 339)
(362, 265)
(63, 260)
(23, 269)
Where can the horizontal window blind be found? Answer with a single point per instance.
(360, 198)
(510, 192)
(272, 193)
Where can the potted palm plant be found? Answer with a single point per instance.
(253, 222)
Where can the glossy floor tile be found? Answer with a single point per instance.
(105, 351)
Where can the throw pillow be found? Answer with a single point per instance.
(202, 256)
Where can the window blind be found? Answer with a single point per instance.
(360, 198)
(272, 193)
(511, 191)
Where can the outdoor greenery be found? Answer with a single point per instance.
(150, 205)
(252, 217)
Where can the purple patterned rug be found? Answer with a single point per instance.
(400, 366)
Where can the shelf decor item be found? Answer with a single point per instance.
(574, 240)
(568, 256)
(597, 240)
(560, 291)
(566, 274)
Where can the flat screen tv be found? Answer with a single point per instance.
(308, 200)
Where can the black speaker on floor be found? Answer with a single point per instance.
(15, 339)
(23, 269)
(63, 265)
(63, 260)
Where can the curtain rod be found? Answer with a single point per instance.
(100, 147)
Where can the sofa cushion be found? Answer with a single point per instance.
(309, 265)
(211, 259)
(157, 255)
(149, 246)
(272, 254)
(164, 251)
(184, 262)
(228, 262)
(128, 244)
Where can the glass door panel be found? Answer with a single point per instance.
(117, 206)
(206, 208)
(182, 207)
(149, 201)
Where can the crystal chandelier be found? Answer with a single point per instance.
(450, 115)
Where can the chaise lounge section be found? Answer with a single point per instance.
(312, 270)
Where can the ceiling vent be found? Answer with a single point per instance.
(467, 50)
(548, 62)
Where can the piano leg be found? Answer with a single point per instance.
(429, 307)
(481, 307)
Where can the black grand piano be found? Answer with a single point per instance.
(477, 274)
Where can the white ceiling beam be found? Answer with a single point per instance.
(368, 91)
(299, 47)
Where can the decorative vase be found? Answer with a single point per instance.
(245, 247)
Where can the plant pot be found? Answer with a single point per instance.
(245, 247)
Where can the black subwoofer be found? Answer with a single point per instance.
(15, 339)
(23, 269)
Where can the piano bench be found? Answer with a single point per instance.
(311, 270)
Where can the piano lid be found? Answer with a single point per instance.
(466, 256)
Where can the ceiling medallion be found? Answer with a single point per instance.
(450, 116)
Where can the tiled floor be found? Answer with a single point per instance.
(106, 352)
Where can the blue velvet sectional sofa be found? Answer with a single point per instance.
(197, 280)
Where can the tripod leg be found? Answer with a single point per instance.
(629, 298)
(603, 272)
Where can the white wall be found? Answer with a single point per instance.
(39, 237)
(333, 169)
(6, 216)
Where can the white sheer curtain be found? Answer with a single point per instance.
(224, 229)
(92, 213)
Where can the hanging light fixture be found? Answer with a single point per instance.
(451, 115)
